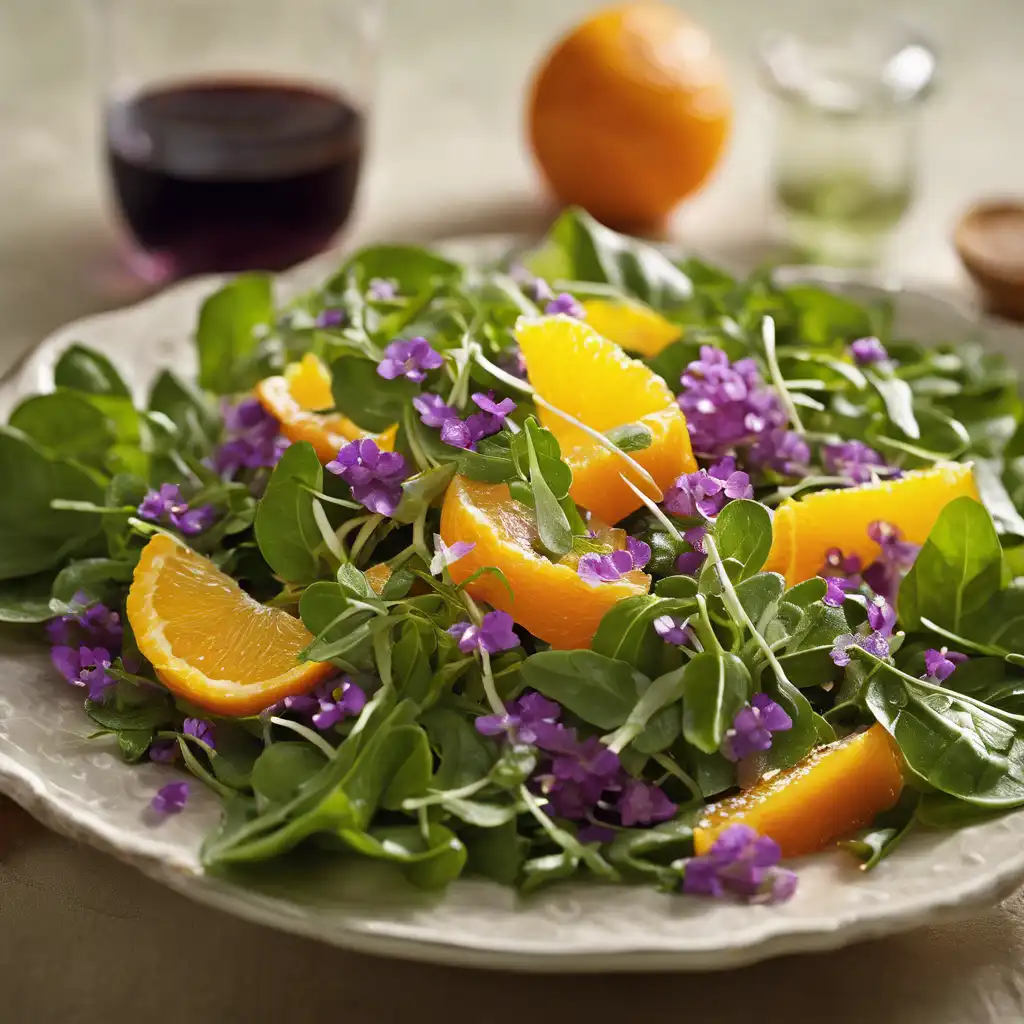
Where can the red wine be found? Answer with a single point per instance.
(234, 174)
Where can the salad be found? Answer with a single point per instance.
(592, 564)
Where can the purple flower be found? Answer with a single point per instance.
(170, 799)
(596, 569)
(785, 451)
(941, 664)
(410, 359)
(253, 439)
(689, 562)
(167, 506)
(838, 564)
(695, 494)
(853, 460)
(580, 776)
(513, 361)
(753, 726)
(881, 616)
(375, 477)
(741, 863)
(465, 433)
(895, 559)
(163, 751)
(530, 719)
(642, 804)
(382, 289)
(200, 729)
(835, 590)
(567, 305)
(433, 410)
(85, 667)
(457, 433)
(445, 555)
(331, 702)
(735, 483)
(330, 318)
(874, 643)
(866, 351)
(594, 833)
(494, 634)
(94, 626)
(673, 631)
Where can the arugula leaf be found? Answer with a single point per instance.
(228, 335)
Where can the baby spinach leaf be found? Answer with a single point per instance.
(99, 578)
(890, 828)
(760, 594)
(600, 690)
(649, 854)
(663, 692)
(715, 687)
(958, 570)
(465, 755)
(27, 599)
(283, 768)
(793, 745)
(495, 853)
(186, 407)
(411, 654)
(626, 632)
(228, 335)
(411, 778)
(67, 423)
(552, 525)
(664, 728)
(286, 529)
(898, 400)
(411, 267)
(552, 867)
(743, 533)
(83, 369)
(429, 862)
(365, 397)
(1007, 520)
(338, 627)
(33, 536)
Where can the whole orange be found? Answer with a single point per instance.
(629, 113)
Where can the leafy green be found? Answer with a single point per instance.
(715, 687)
(231, 323)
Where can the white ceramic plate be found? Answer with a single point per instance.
(81, 787)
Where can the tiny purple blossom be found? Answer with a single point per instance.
(163, 751)
(673, 630)
(895, 559)
(853, 460)
(457, 433)
(835, 590)
(95, 626)
(157, 505)
(596, 569)
(567, 305)
(695, 494)
(881, 616)
(170, 799)
(433, 410)
(200, 729)
(382, 289)
(494, 634)
(838, 564)
(253, 439)
(785, 451)
(167, 505)
(753, 726)
(735, 483)
(445, 555)
(580, 776)
(690, 562)
(491, 419)
(85, 667)
(866, 351)
(337, 700)
(486, 402)
(375, 477)
(941, 664)
(192, 521)
(642, 804)
(410, 359)
(874, 643)
(741, 863)
(327, 318)
(530, 719)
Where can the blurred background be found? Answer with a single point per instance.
(444, 92)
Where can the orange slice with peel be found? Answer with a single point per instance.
(208, 640)
(805, 529)
(589, 377)
(634, 327)
(295, 400)
(832, 792)
(550, 599)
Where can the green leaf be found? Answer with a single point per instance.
(365, 397)
(419, 492)
(495, 853)
(337, 627)
(286, 529)
(958, 570)
(663, 692)
(33, 536)
(413, 775)
(552, 525)
(643, 855)
(743, 532)
(898, 399)
(1007, 520)
(794, 744)
(27, 599)
(154, 714)
(186, 407)
(600, 690)
(412, 268)
(478, 813)
(553, 867)
(430, 862)
(626, 632)
(67, 423)
(888, 830)
(133, 743)
(83, 369)
(283, 768)
(100, 578)
(465, 755)
(715, 687)
(228, 335)
(630, 437)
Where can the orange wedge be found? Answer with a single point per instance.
(634, 327)
(593, 380)
(208, 640)
(805, 529)
(294, 400)
(551, 600)
(829, 794)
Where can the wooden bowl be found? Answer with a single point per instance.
(990, 242)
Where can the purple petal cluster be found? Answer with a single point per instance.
(202, 730)
(835, 590)
(941, 664)
(86, 667)
(410, 359)
(170, 799)
(753, 726)
(838, 564)
(706, 492)
(867, 351)
(784, 451)
(853, 460)
(896, 558)
(330, 318)
(382, 289)
(580, 774)
(531, 719)
(741, 863)
(535, 287)
(433, 410)
(881, 616)
(163, 751)
(95, 626)
(596, 569)
(375, 477)
(445, 556)
(330, 703)
(168, 506)
(643, 804)
(566, 305)
(491, 418)
(689, 562)
(493, 635)
(674, 630)
(874, 643)
(252, 439)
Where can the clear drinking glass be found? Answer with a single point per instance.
(234, 129)
(846, 146)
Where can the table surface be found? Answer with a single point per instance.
(87, 939)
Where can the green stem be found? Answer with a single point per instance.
(653, 509)
(768, 336)
(703, 628)
(326, 497)
(673, 769)
(224, 792)
(419, 454)
(364, 535)
(489, 688)
(64, 505)
(307, 734)
(330, 538)
(440, 795)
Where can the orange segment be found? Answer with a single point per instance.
(208, 640)
(832, 792)
(805, 529)
(294, 400)
(593, 380)
(551, 600)
(634, 327)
